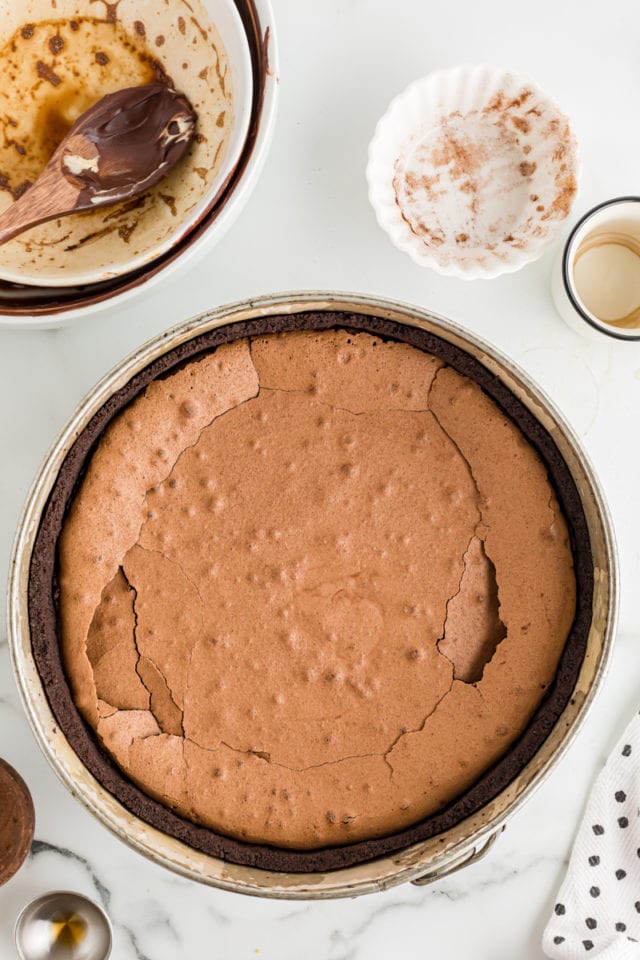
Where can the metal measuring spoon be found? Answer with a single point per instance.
(124, 144)
(63, 926)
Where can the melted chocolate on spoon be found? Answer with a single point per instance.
(129, 141)
(122, 146)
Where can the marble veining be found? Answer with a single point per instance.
(157, 915)
(309, 225)
(41, 846)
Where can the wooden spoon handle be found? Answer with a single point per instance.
(51, 196)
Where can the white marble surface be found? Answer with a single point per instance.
(309, 225)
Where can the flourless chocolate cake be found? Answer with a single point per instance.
(314, 588)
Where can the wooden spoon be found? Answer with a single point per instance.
(121, 146)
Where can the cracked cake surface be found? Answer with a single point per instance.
(313, 585)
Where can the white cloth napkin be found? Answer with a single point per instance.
(597, 912)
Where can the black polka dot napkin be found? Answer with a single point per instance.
(597, 913)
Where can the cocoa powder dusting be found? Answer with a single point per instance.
(517, 102)
(495, 104)
(521, 124)
(481, 155)
(464, 156)
(567, 187)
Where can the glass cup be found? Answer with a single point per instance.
(596, 280)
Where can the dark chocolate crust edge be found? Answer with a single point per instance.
(43, 606)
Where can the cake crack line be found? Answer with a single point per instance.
(191, 446)
(481, 536)
(340, 409)
(465, 460)
(266, 757)
(404, 733)
(133, 590)
(179, 566)
(151, 661)
(501, 630)
(443, 632)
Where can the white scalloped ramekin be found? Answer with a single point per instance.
(472, 171)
